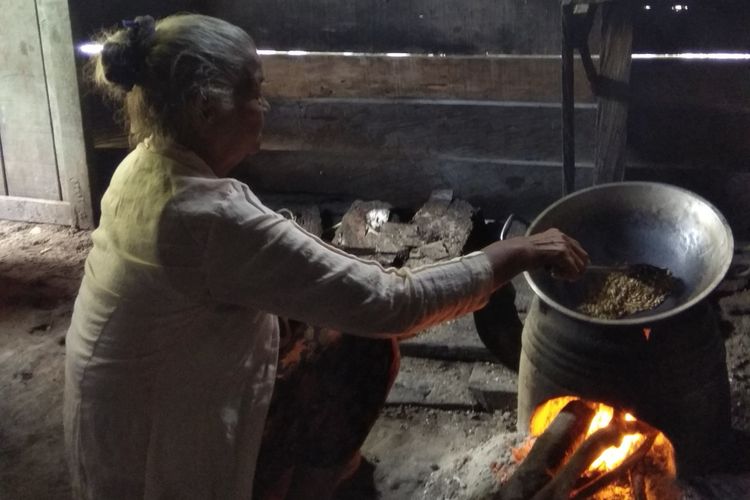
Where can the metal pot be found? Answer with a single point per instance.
(667, 366)
(639, 222)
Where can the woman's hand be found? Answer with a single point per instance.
(553, 249)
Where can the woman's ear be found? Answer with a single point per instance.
(207, 110)
(202, 106)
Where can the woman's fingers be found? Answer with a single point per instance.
(566, 255)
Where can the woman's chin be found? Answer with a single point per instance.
(255, 149)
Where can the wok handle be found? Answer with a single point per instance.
(509, 222)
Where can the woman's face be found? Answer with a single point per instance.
(250, 109)
(233, 135)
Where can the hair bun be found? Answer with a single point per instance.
(124, 54)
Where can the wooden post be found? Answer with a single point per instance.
(568, 107)
(612, 115)
(65, 108)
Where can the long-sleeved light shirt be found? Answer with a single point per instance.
(172, 349)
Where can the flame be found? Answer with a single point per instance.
(614, 455)
(647, 333)
(611, 457)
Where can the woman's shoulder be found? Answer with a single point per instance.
(223, 201)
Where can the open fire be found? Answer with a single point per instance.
(612, 456)
(579, 449)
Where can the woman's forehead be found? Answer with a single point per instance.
(255, 66)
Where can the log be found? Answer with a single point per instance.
(564, 434)
(564, 482)
(638, 484)
(611, 476)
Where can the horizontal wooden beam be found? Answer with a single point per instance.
(425, 128)
(497, 78)
(489, 130)
(415, 128)
(498, 186)
(688, 85)
(36, 210)
(430, 26)
(654, 82)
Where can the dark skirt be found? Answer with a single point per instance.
(330, 388)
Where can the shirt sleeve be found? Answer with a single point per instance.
(255, 257)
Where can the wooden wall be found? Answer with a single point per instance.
(450, 115)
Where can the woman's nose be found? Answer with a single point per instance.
(264, 105)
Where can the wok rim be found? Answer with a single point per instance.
(641, 319)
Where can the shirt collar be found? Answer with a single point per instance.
(179, 153)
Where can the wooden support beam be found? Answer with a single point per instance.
(612, 116)
(65, 108)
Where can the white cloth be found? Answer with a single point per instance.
(172, 349)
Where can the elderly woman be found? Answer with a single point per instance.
(191, 372)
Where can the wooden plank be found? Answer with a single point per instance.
(497, 26)
(447, 26)
(65, 108)
(497, 187)
(612, 115)
(417, 128)
(719, 85)
(28, 148)
(36, 210)
(500, 78)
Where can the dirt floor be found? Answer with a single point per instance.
(410, 450)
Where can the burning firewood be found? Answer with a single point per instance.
(563, 485)
(564, 434)
(560, 463)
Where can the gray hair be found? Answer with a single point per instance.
(165, 74)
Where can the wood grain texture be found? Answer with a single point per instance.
(455, 27)
(448, 26)
(718, 85)
(498, 187)
(486, 130)
(65, 108)
(25, 128)
(501, 78)
(415, 128)
(612, 112)
(36, 210)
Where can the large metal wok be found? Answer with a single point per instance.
(638, 222)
